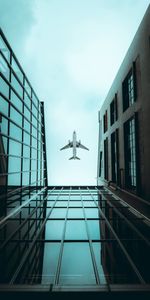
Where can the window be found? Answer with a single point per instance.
(100, 164)
(113, 111)
(114, 156)
(105, 122)
(130, 153)
(129, 89)
(106, 159)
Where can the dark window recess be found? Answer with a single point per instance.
(129, 88)
(100, 163)
(105, 121)
(106, 159)
(113, 110)
(115, 156)
(130, 154)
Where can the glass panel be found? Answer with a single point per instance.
(14, 164)
(98, 257)
(16, 85)
(25, 178)
(75, 203)
(4, 49)
(4, 67)
(91, 212)
(27, 87)
(61, 203)
(75, 213)
(26, 151)
(58, 213)
(51, 253)
(26, 138)
(3, 106)
(27, 100)
(76, 267)
(26, 125)
(17, 70)
(16, 100)
(54, 230)
(4, 88)
(94, 229)
(76, 230)
(75, 197)
(3, 141)
(14, 147)
(15, 116)
(15, 132)
(35, 100)
(14, 180)
(89, 203)
(27, 113)
(26, 164)
(3, 125)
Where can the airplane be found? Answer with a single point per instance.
(74, 144)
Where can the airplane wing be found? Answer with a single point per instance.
(70, 145)
(79, 145)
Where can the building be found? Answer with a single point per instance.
(22, 157)
(124, 131)
(58, 239)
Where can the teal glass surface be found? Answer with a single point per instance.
(76, 266)
(4, 49)
(91, 213)
(94, 229)
(98, 257)
(75, 204)
(4, 69)
(58, 213)
(3, 106)
(75, 230)
(4, 87)
(75, 213)
(54, 229)
(50, 260)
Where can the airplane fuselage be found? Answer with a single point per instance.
(74, 144)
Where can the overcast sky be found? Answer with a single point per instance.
(70, 51)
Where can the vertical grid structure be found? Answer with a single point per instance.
(22, 133)
(78, 237)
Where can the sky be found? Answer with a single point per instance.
(71, 51)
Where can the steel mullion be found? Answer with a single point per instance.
(136, 271)
(90, 244)
(57, 275)
(33, 242)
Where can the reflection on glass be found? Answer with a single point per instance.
(94, 229)
(4, 49)
(58, 213)
(76, 267)
(54, 230)
(4, 67)
(4, 87)
(75, 213)
(17, 70)
(92, 213)
(51, 253)
(75, 204)
(76, 230)
(97, 253)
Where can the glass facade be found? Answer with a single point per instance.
(72, 236)
(22, 152)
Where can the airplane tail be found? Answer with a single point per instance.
(74, 157)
